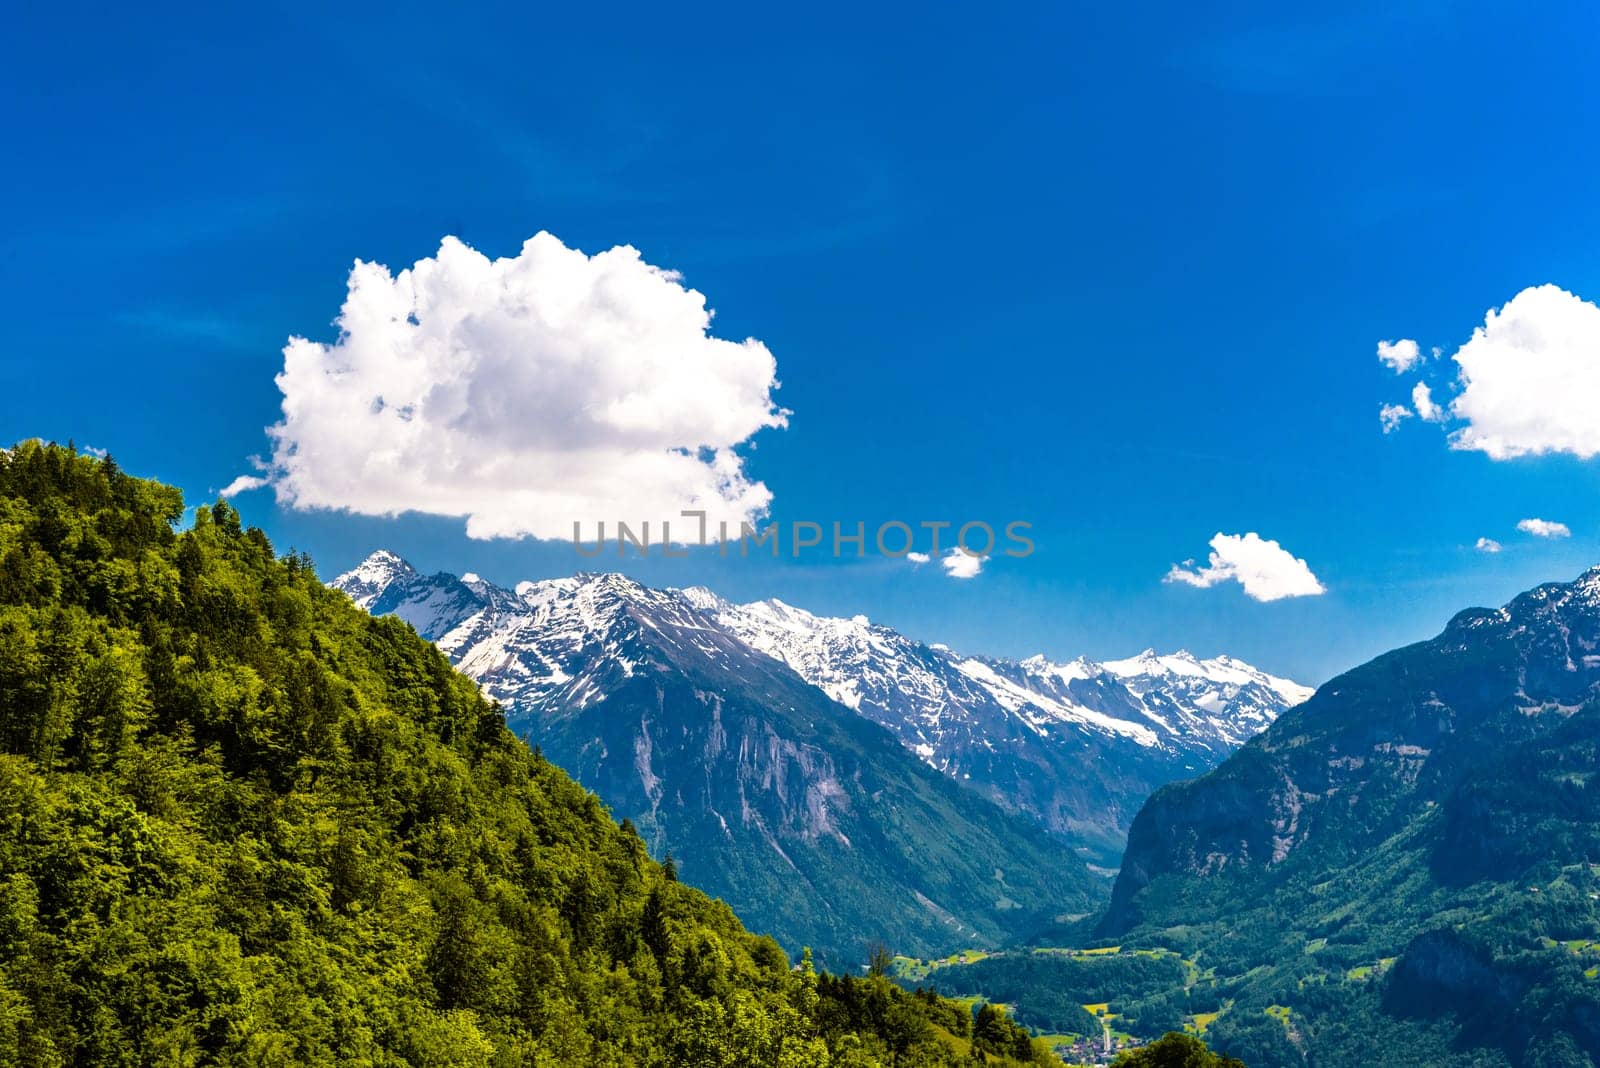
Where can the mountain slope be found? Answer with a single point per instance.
(245, 823)
(809, 820)
(1406, 860)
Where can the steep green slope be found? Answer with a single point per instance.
(243, 822)
(1403, 869)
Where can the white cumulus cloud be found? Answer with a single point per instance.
(960, 564)
(1266, 570)
(917, 558)
(524, 394)
(1391, 416)
(1400, 356)
(1487, 545)
(1544, 528)
(1530, 378)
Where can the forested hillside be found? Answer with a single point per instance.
(1407, 866)
(243, 822)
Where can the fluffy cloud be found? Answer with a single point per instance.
(1400, 355)
(1544, 528)
(243, 484)
(1530, 378)
(1487, 545)
(1266, 570)
(917, 558)
(1422, 399)
(960, 564)
(1391, 415)
(524, 394)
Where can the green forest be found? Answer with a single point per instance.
(245, 822)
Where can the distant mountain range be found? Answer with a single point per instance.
(1404, 869)
(812, 822)
(1075, 746)
(758, 743)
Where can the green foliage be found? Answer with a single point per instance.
(242, 822)
(1175, 1051)
(995, 1033)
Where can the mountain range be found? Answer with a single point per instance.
(812, 822)
(834, 780)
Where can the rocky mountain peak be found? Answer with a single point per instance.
(368, 579)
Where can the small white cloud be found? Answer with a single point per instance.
(1487, 545)
(1530, 378)
(1400, 355)
(917, 558)
(1391, 416)
(525, 394)
(99, 454)
(1544, 528)
(1266, 570)
(1422, 399)
(242, 484)
(960, 564)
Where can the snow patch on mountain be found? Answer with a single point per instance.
(1175, 702)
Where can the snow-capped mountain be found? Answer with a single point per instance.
(812, 821)
(1076, 746)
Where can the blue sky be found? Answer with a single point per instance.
(1118, 273)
